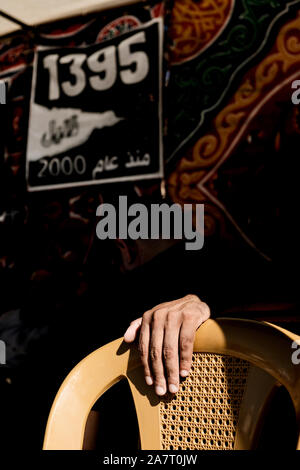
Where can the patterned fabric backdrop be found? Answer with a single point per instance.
(233, 130)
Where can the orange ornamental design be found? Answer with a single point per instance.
(195, 172)
(195, 25)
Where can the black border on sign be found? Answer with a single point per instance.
(122, 179)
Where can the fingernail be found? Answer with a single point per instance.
(173, 388)
(184, 373)
(160, 390)
(148, 380)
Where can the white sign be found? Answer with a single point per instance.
(96, 112)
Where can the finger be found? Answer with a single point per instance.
(156, 342)
(144, 343)
(131, 332)
(186, 344)
(170, 354)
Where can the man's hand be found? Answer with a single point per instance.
(166, 340)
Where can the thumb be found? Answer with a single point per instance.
(131, 332)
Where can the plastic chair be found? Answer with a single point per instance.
(237, 365)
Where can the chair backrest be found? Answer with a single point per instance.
(237, 364)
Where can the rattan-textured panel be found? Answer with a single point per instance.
(204, 413)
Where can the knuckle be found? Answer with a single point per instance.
(171, 317)
(185, 343)
(155, 354)
(187, 315)
(146, 369)
(169, 353)
(185, 364)
(143, 350)
(192, 297)
(205, 309)
(158, 316)
(147, 315)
